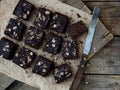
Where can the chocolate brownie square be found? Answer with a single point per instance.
(43, 18)
(15, 29)
(69, 50)
(24, 57)
(7, 48)
(23, 9)
(76, 29)
(62, 73)
(59, 22)
(53, 43)
(34, 37)
(43, 66)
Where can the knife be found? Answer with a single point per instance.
(87, 47)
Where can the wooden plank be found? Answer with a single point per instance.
(110, 14)
(73, 3)
(101, 82)
(80, 5)
(107, 61)
(20, 86)
(5, 81)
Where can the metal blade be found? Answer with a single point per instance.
(89, 38)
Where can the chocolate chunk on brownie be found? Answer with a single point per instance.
(24, 57)
(43, 18)
(62, 73)
(23, 9)
(59, 22)
(15, 29)
(76, 29)
(53, 43)
(69, 50)
(34, 37)
(43, 66)
(7, 48)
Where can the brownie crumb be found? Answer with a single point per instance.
(78, 15)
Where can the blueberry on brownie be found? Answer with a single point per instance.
(59, 22)
(43, 18)
(23, 9)
(53, 43)
(69, 50)
(62, 73)
(7, 48)
(43, 66)
(15, 29)
(24, 57)
(34, 37)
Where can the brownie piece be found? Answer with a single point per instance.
(43, 18)
(53, 43)
(15, 29)
(7, 48)
(23, 9)
(69, 49)
(34, 37)
(59, 22)
(62, 73)
(24, 57)
(43, 66)
(76, 29)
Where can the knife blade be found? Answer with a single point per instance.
(87, 47)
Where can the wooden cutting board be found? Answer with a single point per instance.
(101, 38)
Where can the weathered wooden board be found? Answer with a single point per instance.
(5, 81)
(101, 82)
(107, 61)
(110, 14)
(20, 86)
(103, 33)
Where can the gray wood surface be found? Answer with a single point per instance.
(5, 81)
(103, 72)
(101, 82)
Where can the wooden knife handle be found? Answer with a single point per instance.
(78, 77)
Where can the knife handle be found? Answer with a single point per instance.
(79, 75)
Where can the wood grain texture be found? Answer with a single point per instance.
(20, 86)
(101, 82)
(110, 14)
(107, 61)
(5, 81)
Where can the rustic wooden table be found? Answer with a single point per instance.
(103, 72)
